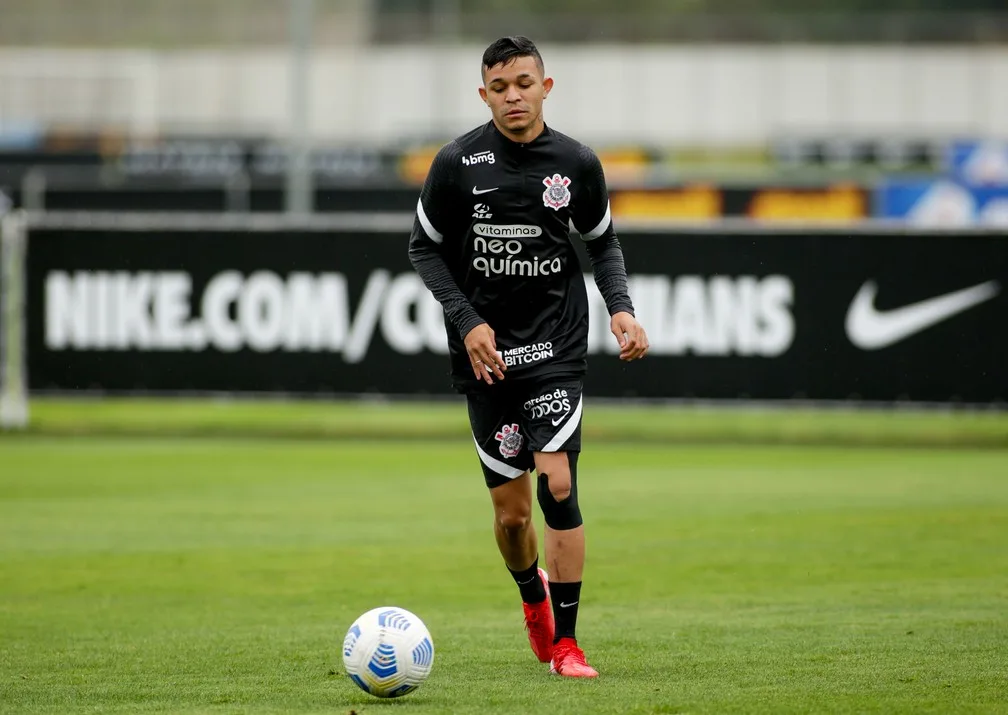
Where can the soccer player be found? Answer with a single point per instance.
(491, 241)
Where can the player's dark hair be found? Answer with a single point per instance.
(508, 49)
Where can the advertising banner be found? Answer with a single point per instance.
(745, 314)
(978, 163)
(942, 203)
(833, 203)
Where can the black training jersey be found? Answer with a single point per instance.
(499, 213)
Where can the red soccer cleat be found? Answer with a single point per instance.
(569, 661)
(540, 624)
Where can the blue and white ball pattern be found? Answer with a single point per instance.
(388, 652)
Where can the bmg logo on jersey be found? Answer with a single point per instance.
(555, 405)
(480, 157)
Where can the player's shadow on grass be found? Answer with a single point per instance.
(365, 704)
(359, 703)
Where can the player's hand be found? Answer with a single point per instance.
(630, 335)
(482, 348)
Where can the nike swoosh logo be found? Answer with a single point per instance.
(870, 329)
(477, 192)
(558, 420)
(567, 605)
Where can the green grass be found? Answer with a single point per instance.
(603, 422)
(219, 576)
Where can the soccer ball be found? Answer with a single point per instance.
(388, 652)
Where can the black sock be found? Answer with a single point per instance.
(565, 598)
(529, 583)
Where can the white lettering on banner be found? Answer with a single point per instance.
(317, 314)
(411, 320)
(716, 316)
(221, 292)
(171, 309)
(367, 315)
(302, 312)
(110, 311)
(133, 295)
(66, 318)
(262, 312)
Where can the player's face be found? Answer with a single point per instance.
(515, 92)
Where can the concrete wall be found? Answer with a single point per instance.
(666, 95)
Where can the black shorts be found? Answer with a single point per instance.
(511, 421)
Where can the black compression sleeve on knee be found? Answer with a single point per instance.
(560, 515)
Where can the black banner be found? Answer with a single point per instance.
(825, 315)
(261, 197)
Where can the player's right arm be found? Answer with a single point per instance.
(432, 225)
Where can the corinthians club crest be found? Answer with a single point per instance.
(556, 194)
(510, 441)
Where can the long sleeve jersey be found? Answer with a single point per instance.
(491, 240)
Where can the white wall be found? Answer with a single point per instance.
(604, 94)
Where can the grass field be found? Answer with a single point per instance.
(219, 575)
(603, 422)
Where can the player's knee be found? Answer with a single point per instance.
(559, 485)
(514, 519)
(556, 467)
(557, 495)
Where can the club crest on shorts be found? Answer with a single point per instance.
(510, 441)
(556, 195)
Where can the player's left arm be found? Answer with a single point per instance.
(592, 218)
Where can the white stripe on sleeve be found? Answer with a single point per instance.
(602, 226)
(428, 227)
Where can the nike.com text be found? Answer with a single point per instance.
(262, 312)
